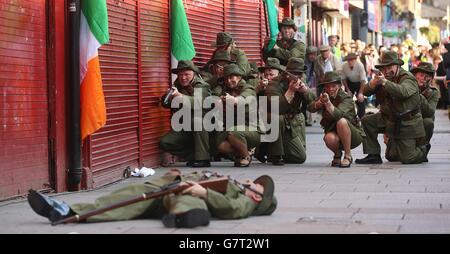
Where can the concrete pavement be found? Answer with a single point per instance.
(313, 197)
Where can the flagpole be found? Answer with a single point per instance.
(75, 169)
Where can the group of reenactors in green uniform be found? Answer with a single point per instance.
(405, 118)
(406, 115)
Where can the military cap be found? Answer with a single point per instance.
(331, 77)
(268, 203)
(424, 67)
(272, 63)
(185, 65)
(232, 69)
(296, 65)
(222, 39)
(287, 22)
(390, 58)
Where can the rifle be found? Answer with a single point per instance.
(242, 186)
(219, 184)
(291, 76)
(165, 100)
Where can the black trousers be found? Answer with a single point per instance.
(354, 89)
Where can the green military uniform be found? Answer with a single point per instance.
(190, 145)
(399, 117)
(286, 48)
(429, 99)
(291, 142)
(249, 137)
(234, 204)
(344, 107)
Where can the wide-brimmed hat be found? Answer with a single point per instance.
(268, 203)
(221, 55)
(185, 65)
(296, 65)
(232, 69)
(311, 49)
(424, 67)
(351, 56)
(272, 63)
(287, 22)
(331, 77)
(222, 39)
(389, 58)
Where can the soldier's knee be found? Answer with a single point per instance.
(342, 123)
(410, 158)
(297, 159)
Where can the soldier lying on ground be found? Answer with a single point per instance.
(191, 208)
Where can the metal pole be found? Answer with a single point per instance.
(75, 167)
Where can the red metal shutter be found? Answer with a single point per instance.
(245, 21)
(155, 76)
(24, 156)
(206, 19)
(116, 145)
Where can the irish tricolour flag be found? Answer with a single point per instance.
(182, 45)
(93, 33)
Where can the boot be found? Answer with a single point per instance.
(190, 219)
(370, 159)
(50, 208)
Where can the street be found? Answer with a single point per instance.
(312, 198)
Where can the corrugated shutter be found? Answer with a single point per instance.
(155, 75)
(245, 21)
(116, 145)
(24, 156)
(206, 19)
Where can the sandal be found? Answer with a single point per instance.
(336, 162)
(243, 161)
(346, 165)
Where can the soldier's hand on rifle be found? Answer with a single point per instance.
(262, 84)
(324, 98)
(294, 85)
(378, 79)
(231, 99)
(303, 87)
(176, 92)
(196, 190)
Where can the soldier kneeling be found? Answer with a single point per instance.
(339, 120)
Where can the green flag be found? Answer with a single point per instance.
(182, 45)
(272, 18)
